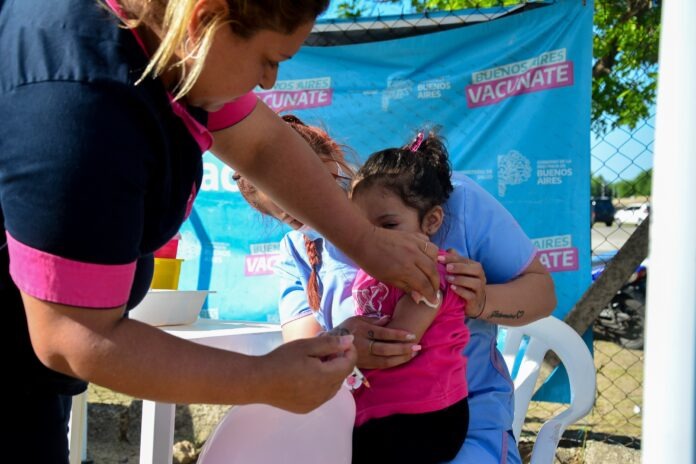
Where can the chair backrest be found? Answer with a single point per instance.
(550, 334)
(262, 434)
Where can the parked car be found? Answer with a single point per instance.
(602, 210)
(632, 214)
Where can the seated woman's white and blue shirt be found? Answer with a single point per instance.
(478, 227)
(96, 173)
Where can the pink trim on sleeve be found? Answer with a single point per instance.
(232, 112)
(198, 131)
(59, 280)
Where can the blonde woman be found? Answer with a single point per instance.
(107, 106)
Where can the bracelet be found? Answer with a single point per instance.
(483, 307)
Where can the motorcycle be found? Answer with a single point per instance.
(623, 320)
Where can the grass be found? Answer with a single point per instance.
(616, 416)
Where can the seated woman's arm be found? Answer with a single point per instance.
(304, 327)
(524, 299)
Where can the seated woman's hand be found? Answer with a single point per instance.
(380, 347)
(301, 375)
(402, 259)
(467, 279)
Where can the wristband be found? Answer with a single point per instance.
(483, 307)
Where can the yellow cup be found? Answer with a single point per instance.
(166, 275)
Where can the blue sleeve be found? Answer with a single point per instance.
(485, 231)
(293, 271)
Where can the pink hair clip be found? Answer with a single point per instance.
(415, 145)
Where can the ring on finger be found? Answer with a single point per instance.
(372, 342)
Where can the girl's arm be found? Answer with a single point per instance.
(278, 162)
(100, 346)
(413, 317)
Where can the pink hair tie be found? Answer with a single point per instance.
(415, 145)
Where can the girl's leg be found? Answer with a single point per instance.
(412, 438)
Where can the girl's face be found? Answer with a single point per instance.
(263, 203)
(384, 208)
(234, 65)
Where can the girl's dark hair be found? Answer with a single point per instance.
(419, 173)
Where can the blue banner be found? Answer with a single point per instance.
(512, 97)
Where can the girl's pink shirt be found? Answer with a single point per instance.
(436, 377)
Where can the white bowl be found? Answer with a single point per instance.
(169, 307)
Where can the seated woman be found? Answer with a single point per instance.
(491, 263)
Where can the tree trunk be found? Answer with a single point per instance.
(599, 294)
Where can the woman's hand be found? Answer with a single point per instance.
(301, 375)
(380, 347)
(402, 259)
(466, 279)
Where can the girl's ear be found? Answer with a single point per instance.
(432, 220)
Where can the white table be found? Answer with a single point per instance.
(157, 432)
(255, 338)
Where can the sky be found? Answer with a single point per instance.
(622, 154)
(374, 8)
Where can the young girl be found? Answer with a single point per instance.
(416, 412)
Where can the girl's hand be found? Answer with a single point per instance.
(402, 259)
(467, 279)
(380, 347)
(301, 375)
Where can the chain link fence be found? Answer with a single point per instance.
(619, 160)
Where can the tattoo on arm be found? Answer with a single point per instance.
(498, 315)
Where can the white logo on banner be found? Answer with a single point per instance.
(433, 88)
(546, 71)
(262, 259)
(298, 94)
(218, 178)
(478, 174)
(397, 89)
(557, 253)
(513, 169)
(553, 171)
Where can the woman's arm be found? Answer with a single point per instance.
(279, 162)
(524, 299)
(100, 346)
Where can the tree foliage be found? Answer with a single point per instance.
(641, 185)
(624, 74)
(625, 48)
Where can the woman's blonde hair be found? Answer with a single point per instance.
(170, 20)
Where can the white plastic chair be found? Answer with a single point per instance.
(262, 434)
(550, 334)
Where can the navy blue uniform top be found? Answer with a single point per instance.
(96, 173)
